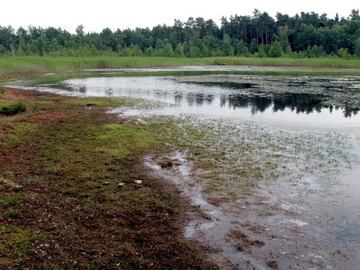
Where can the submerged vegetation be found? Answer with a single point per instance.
(236, 155)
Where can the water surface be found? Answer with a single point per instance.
(226, 99)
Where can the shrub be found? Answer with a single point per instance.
(275, 50)
(11, 109)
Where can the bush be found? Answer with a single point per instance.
(275, 50)
(11, 109)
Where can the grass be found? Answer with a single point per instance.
(67, 67)
(18, 130)
(127, 139)
(14, 242)
(14, 108)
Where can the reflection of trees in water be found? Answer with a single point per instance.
(301, 103)
(256, 103)
(348, 112)
(199, 99)
(179, 97)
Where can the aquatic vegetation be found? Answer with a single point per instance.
(234, 155)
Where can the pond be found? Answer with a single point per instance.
(294, 141)
(249, 100)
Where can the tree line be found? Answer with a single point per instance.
(260, 35)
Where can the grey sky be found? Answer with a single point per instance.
(97, 15)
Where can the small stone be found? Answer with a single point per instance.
(138, 182)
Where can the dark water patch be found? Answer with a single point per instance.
(299, 103)
(227, 84)
(296, 83)
(349, 111)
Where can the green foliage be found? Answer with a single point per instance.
(288, 51)
(357, 47)
(199, 38)
(227, 48)
(241, 49)
(343, 53)
(314, 52)
(11, 109)
(179, 50)
(2, 50)
(261, 51)
(275, 50)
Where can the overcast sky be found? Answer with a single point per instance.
(97, 15)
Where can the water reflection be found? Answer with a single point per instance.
(244, 100)
(296, 102)
(234, 85)
(299, 103)
(256, 103)
(199, 99)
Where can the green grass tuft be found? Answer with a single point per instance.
(12, 109)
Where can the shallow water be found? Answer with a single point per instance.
(288, 109)
(307, 215)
